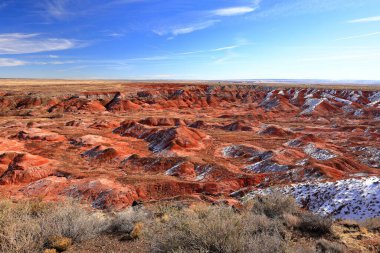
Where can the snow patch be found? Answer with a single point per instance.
(318, 153)
(311, 104)
(355, 198)
(266, 167)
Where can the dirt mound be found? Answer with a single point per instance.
(134, 129)
(183, 170)
(39, 134)
(177, 139)
(101, 124)
(275, 131)
(93, 106)
(119, 104)
(101, 154)
(153, 121)
(25, 168)
(89, 140)
(244, 152)
(29, 102)
(237, 126)
(199, 124)
(152, 164)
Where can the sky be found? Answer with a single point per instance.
(190, 39)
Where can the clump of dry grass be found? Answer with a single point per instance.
(29, 226)
(372, 224)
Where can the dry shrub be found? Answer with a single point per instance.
(301, 249)
(124, 222)
(291, 220)
(350, 224)
(29, 226)
(372, 224)
(325, 246)
(315, 224)
(215, 229)
(274, 205)
(71, 220)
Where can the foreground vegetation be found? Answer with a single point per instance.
(266, 224)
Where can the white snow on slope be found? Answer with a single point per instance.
(311, 104)
(317, 153)
(356, 198)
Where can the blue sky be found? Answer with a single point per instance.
(190, 39)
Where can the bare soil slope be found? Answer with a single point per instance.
(113, 143)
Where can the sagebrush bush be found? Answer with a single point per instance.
(274, 205)
(29, 226)
(325, 246)
(315, 224)
(123, 222)
(215, 229)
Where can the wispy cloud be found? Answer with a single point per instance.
(20, 43)
(7, 62)
(63, 9)
(211, 50)
(365, 20)
(56, 8)
(233, 11)
(343, 57)
(53, 62)
(185, 29)
(115, 35)
(301, 7)
(360, 36)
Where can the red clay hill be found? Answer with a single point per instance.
(115, 143)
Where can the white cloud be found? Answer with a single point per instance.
(360, 36)
(233, 11)
(115, 35)
(179, 30)
(19, 43)
(7, 62)
(56, 8)
(364, 20)
(53, 62)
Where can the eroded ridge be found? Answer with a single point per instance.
(187, 141)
